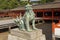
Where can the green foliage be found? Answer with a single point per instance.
(23, 3)
(49, 1)
(43, 1)
(13, 4)
(3, 4)
(46, 1)
(9, 4)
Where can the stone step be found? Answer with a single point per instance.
(25, 35)
(12, 37)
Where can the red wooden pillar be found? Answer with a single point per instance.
(52, 15)
(43, 14)
(53, 24)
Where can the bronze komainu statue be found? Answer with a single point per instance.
(29, 16)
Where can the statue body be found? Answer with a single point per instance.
(28, 17)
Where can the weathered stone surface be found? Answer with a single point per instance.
(25, 35)
(12, 37)
(42, 37)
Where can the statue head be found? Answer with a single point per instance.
(28, 7)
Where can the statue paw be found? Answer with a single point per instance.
(23, 29)
(29, 30)
(35, 28)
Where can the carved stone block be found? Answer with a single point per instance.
(25, 35)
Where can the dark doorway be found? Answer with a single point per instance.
(39, 14)
(48, 13)
(56, 13)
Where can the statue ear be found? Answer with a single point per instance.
(20, 15)
(17, 17)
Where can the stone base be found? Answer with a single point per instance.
(17, 34)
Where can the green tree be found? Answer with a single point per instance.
(49, 1)
(3, 4)
(43, 1)
(46, 1)
(8, 4)
(13, 4)
(23, 3)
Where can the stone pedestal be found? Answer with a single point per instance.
(16, 34)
